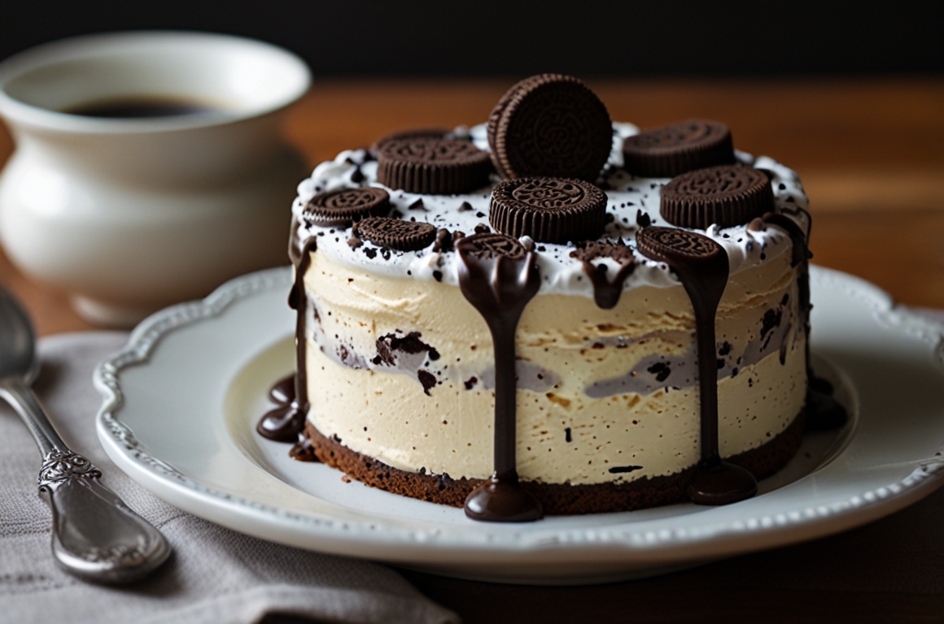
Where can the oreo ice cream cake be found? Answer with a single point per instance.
(551, 313)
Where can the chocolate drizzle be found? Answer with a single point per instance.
(286, 422)
(701, 265)
(498, 276)
(606, 292)
(823, 412)
(296, 301)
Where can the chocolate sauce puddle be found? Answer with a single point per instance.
(702, 267)
(286, 422)
(823, 412)
(499, 277)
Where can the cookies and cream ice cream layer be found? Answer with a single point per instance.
(401, 370)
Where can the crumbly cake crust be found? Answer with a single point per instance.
(556, 498)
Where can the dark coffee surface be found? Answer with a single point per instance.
(139, 108)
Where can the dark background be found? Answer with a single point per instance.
(514, 38)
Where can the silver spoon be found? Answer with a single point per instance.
(94, 534)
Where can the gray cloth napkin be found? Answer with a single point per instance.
(214, 575)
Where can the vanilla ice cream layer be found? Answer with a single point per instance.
(574, 439)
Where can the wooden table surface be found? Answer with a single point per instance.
(871, 156)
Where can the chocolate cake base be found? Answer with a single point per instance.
(556, 498)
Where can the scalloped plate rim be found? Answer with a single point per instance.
(374, 539)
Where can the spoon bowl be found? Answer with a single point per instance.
(17, 341)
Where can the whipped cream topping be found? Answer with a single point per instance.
(631, 201)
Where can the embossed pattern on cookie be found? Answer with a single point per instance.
(342, 207)
(549, 210)
(550, 125)
(412, 133)
(668, 151)
(432, 166)
(727, 195)
(492, 245)
(396, 233)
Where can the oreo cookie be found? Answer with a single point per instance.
(432, 166)
(491, 245)
(396, 233)
(413, 133)
(668, 151)
(727, 195)
(549, 210)
(692, 255)
(342, 207)
(550, 125)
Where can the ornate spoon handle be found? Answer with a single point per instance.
(94, 534)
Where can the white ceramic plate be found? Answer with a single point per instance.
(182, 400)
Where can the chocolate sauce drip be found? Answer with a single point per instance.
(823, 412)
(499, 283)
(702, 267)
(286, 422)
(606, 293)
(296, 301)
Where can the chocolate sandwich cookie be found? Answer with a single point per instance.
(342, 207)
(549, 210)
(396, 233)
(727, 195)
(550, 125)
(668, 151)
(432, 166)
(413, 133)
(492, 245)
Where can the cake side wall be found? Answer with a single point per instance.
(583, 416)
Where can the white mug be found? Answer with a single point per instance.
(129, 215)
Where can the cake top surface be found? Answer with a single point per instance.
(632, 202)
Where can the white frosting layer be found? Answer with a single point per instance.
(628, 197)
